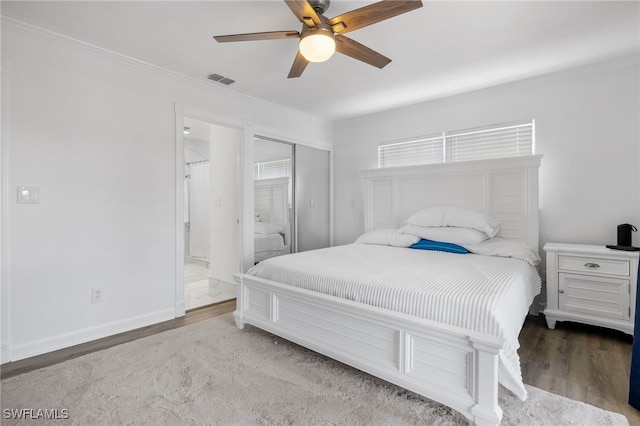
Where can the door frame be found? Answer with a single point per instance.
(182, 112)
(5, 346)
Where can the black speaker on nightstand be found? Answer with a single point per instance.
(624, 238)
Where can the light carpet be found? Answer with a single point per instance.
(212, 373)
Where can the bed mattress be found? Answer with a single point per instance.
(488, 294)
(266, 242)
(269, 245)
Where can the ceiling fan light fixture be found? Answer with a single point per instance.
(317, 44)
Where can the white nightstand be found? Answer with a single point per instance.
(591, 285)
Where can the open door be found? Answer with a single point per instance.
(225, 202)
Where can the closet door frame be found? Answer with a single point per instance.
(271, 135)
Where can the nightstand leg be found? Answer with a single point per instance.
(551, 323)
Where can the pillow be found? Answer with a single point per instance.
(448, 234)
(387, 237)
(505, 248)
(266, 228)
(439, 246)
(453, 216)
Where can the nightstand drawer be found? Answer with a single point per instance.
(594, 265)
(602, 297)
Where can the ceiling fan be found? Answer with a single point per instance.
(321, 37)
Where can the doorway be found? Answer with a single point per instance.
(211, 219)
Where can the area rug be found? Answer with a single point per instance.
(211, 373)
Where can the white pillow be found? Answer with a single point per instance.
(505, 248)
(453, 216)
(446, 234)
(266, 228)
(387, 237)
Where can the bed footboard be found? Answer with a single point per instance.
(451, 365)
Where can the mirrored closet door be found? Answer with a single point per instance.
(291, 198)
(313, 208)
(274, 219)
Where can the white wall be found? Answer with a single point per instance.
(96, 132)
(587, 128)
(225, 182)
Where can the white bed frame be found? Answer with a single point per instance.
(451, 365)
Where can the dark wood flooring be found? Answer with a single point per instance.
(584, 363)
(14, 368)
(581, 362)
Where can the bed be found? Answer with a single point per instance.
(272, 228)
(456, 362)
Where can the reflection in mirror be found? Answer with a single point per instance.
(273, 198)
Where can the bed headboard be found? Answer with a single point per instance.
(504, 188)
(271, 200)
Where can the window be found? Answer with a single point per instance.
(427, 150)
(272, 169)
(496, 141)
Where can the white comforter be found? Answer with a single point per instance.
(483, 293)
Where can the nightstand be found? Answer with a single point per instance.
(591, 285)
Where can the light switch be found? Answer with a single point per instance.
(28, 195)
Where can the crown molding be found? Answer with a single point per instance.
(89, 48)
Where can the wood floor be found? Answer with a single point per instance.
(584, 363)
(19, 367)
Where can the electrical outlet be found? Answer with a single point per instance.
(96, 295)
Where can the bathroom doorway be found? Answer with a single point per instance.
(211, 224)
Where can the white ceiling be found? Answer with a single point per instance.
(443, 48)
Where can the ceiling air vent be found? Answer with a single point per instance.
(220, 79)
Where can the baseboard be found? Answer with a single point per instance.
(66, 340)
(181, 307)
(198, 261)
(4, 353)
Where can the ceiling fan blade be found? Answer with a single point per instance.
(299, 64)
(304, 12)
(270, 35)
(371, 14)
(358, 51)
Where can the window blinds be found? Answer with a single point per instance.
(272, 169)
(496, 141)
(423, 151)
